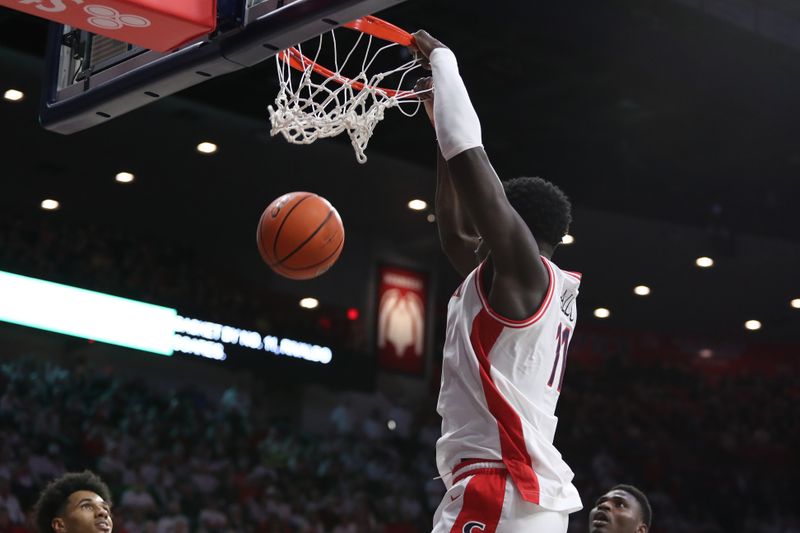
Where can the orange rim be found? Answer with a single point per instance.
(371, 26)
(381, 29)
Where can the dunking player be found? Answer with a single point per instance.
(623, 509)
(508, 328)
(74, 503)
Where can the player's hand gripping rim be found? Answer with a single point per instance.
(424, 90)
(425, 44)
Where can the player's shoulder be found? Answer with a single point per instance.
(569, 275)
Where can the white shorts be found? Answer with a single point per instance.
(483, 499)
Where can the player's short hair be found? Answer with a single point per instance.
(53, 498)
(542, 205)
(644, 503)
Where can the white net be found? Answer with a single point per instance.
(312, 106)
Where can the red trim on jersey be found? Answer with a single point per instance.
(508, 321)
(482, 504)
(573, 274)
(484, 334)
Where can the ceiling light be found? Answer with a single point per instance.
(309, 303)
(567, 239)
(392, 425)
(752, 325)
(206, 147)
(50, 205)
(704, 262)
(13, 95)
(431, 217)
(706, 353)
(602, 312)
(641, 290)
(417, 205)
(124, 177)
(795, 303)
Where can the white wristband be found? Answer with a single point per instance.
(457, 125)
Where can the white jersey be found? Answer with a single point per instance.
(501, 380)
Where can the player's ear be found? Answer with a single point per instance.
(58, 525)
(641, 528)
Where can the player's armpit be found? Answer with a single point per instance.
(460, 252)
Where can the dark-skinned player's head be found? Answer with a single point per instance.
(543, 206)
(623, 509)
(74, 503)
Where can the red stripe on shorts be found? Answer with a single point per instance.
(483, 337)
(483, 503)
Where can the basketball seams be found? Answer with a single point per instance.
(307, 240)
(335, 252)
(280, 228)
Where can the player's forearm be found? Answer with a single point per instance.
(457, 234)
(457, 125)
(452, 221)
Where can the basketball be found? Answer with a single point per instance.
(300, 235)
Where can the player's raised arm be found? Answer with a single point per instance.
(519, 278)
(457, 234)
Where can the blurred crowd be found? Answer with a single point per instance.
(713, 455)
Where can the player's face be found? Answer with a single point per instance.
(85, 512)
(616, 512)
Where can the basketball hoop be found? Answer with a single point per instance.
(321, 102)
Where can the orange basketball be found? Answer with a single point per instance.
(300, 235)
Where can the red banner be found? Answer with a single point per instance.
(402, 316)
(153, 24)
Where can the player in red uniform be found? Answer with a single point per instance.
(508, 328)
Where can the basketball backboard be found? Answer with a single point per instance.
(91, 79)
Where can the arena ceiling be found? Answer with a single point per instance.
(674, 132)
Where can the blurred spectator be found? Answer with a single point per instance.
(7, 526)
(173, 520)
(9, 502)
(342, 418)
(374, 427)
(211, 518)
(47, 464)
(136, 498)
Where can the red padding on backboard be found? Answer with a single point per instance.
(155, 24)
